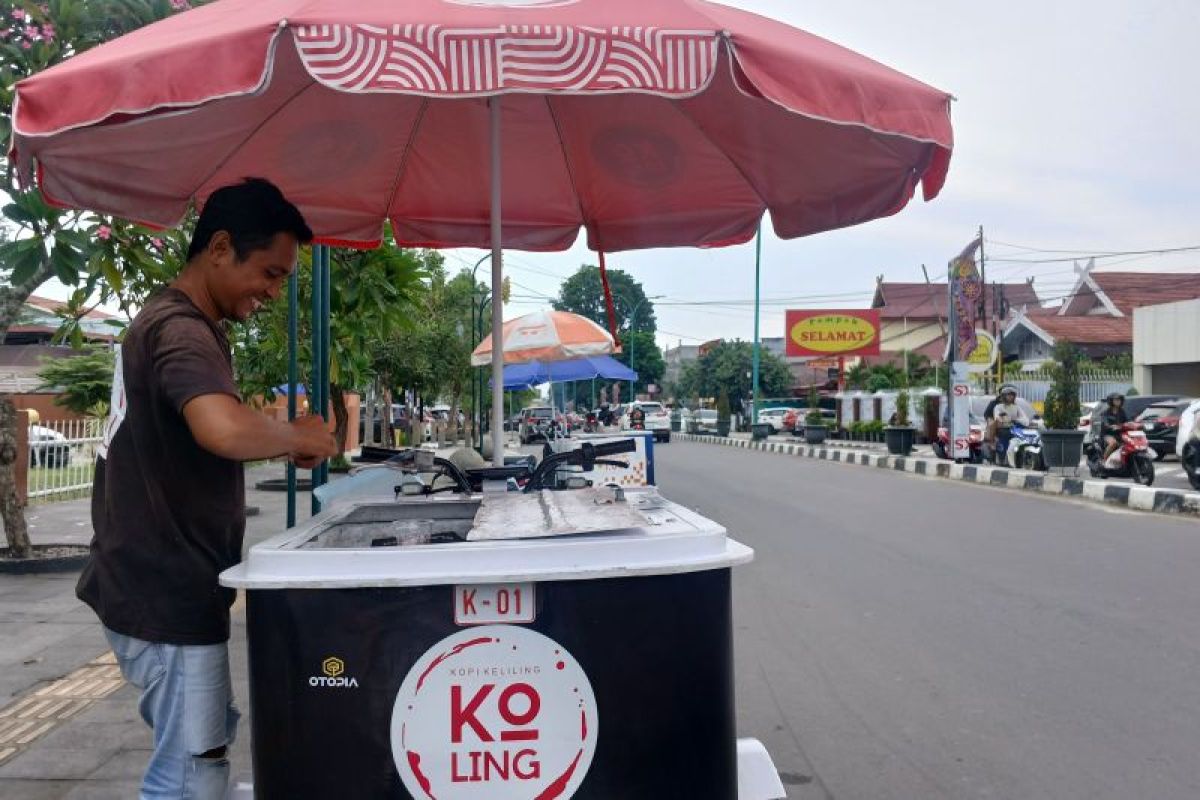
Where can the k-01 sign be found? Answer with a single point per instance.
(848, 332)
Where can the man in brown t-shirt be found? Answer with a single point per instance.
(168, 505)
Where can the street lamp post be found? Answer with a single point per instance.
(476, 335)
(632, 320)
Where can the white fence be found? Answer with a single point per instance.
(1091, 387)
(62, 458)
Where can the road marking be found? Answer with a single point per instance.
(36, 713)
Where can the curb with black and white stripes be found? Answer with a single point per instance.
(1139, 498)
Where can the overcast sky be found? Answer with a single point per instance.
(1077, 127)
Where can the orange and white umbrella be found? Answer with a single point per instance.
(547, 336)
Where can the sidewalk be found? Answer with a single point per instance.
(69, 726)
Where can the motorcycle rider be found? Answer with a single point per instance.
(637, 418)
(1111, 422)
(1002, 412)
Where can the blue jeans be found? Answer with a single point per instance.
(187, 698)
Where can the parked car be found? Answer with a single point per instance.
(48, 448)
(535, 423)
(1134, 406)
(773, 417)
(706, 420)
(1161, 424)
(658, 420)
(798, 426)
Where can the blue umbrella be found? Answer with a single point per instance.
(535, 373)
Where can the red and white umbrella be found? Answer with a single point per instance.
(501, 123)
(546, 336)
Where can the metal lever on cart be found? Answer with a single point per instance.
(585, 456)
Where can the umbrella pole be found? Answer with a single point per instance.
(757, 343)
(293, 371)
(497, 300)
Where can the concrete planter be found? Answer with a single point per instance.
(760, 431)
(1062, 449)
(816, 434)
(900, 439)
(723, 428)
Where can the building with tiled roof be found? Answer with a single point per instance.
(913, 315)
(39, 320)
(1097, 314)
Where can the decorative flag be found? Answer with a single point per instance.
(966, 290)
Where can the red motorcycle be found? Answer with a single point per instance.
(1132, 458)
(943, 449)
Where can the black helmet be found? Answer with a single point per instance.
(1113, 397)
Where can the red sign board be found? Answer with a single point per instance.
(825, 333)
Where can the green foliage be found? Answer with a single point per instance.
(647, 361)
(813, 417)
(723, 407)
(727, 367)
(84, 382)
(882, 377)
(1062, 401)
(583, 293)
(74, 247)
(371, 295)
(902, 408)
(431, 356)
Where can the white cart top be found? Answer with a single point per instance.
(551, 536)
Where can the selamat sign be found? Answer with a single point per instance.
(852, 332)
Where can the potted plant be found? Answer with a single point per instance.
(723, 413)
(901, 434)
(1062, 441)
(815, 429)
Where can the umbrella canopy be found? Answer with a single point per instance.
(647, 122)
(536, 373)
(547, 336)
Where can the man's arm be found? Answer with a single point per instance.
(225, 427)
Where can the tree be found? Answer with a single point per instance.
(647, 359)
(371, 296)
(1062, 401)
(83, 383)
(583, 293)
(44, 242)
(727, 366)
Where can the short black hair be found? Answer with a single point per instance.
(252, 212)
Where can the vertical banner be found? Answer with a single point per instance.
(960, 411)
(966, 289)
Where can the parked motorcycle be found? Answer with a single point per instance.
(591, 422)
(1132, 458)
(1190, 456)
(942, 448)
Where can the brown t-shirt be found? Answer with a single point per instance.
(168, 515)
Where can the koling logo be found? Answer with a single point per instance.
(334, 675)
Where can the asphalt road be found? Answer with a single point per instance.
(899, 637)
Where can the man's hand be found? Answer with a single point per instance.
(313, 442)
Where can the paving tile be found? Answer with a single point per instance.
(104, 790)
(53, 763)
(20, 789)
(125, 765)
